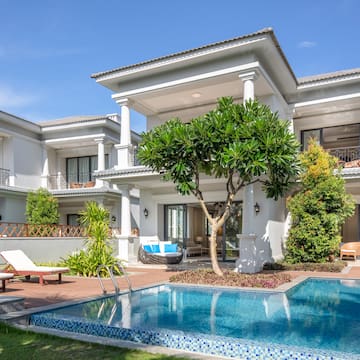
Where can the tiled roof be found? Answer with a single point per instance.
(128, 171)
(265, 31)
(328, 76)
(72, 119)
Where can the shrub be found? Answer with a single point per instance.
(98, 249)
(318, 210)
(41, 207)
(336, 266)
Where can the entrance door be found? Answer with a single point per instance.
(175, 224)
(232, 228)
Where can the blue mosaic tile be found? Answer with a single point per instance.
(206, 344)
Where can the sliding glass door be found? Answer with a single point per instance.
(176, 224)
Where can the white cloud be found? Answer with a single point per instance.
(11, 98)
(307, 44)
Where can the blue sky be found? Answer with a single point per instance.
(49, 49)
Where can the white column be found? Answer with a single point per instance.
(248, 79)
(45, 167)
(124, 148)
(101, 154)
(125, 211)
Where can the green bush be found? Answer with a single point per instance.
(98, 249)
(41, 208)
(318, 210)
(336, 266)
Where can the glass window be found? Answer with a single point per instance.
(311, 134)
(175, 223)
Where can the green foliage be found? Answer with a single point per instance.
(241, 143)
(41, 207)
(234, 140)
(318, 210)
(98, 249)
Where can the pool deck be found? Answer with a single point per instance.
(75, 287)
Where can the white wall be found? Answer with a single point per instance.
(45, 249)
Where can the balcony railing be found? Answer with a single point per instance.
(8, 229)
(4, 177)
(346, 154)
(59, 182)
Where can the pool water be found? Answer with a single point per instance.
(318, 314)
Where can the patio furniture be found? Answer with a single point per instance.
(350, 249)
(4, 277)
(20, 264)
(166, 254)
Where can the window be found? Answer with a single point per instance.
(73, 219)
(80, 169)
(306, 135)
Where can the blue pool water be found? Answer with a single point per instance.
(317, 314)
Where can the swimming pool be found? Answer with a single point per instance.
(317, 319)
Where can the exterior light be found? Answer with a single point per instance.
(257, 208)
(113, 218)
(146, 212)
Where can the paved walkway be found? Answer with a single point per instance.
(74, 288)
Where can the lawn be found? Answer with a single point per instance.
(18, 344)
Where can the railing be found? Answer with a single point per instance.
(4, 177)
(8, 229)
(346, 154)
(58, 182)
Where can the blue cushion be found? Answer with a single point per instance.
(148, 248)
(169, 248)
(155, 248)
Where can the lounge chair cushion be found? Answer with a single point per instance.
(170, 248)
(152, 248)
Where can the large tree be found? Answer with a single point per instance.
(241, 143)
(319, 209)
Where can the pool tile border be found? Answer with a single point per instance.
(193, 342)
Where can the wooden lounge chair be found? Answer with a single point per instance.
(4, 277)
(20, 264)
(350, 249)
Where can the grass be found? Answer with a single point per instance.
(19, 344)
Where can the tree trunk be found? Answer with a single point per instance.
(213, 254)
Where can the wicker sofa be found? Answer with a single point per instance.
(154, 251)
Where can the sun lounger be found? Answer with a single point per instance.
(4, 277)
(20, 264)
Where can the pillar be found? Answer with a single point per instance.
(45, 168)
(124, 148)
(101, 154)
(248, 80)
(125, 211)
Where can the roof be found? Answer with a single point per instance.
(329, 76)
(265, 31)
(73, 119)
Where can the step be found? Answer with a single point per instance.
(10, 304)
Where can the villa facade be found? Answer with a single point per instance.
(61, 156)
(94, 158)
(188, 84)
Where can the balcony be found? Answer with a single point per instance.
(349, 156)
(4, 177)
(62, 182)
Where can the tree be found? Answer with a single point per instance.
(241, 143)
(319, 209)
(41, 208)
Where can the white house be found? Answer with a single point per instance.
(188, 84)
(61, 156)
